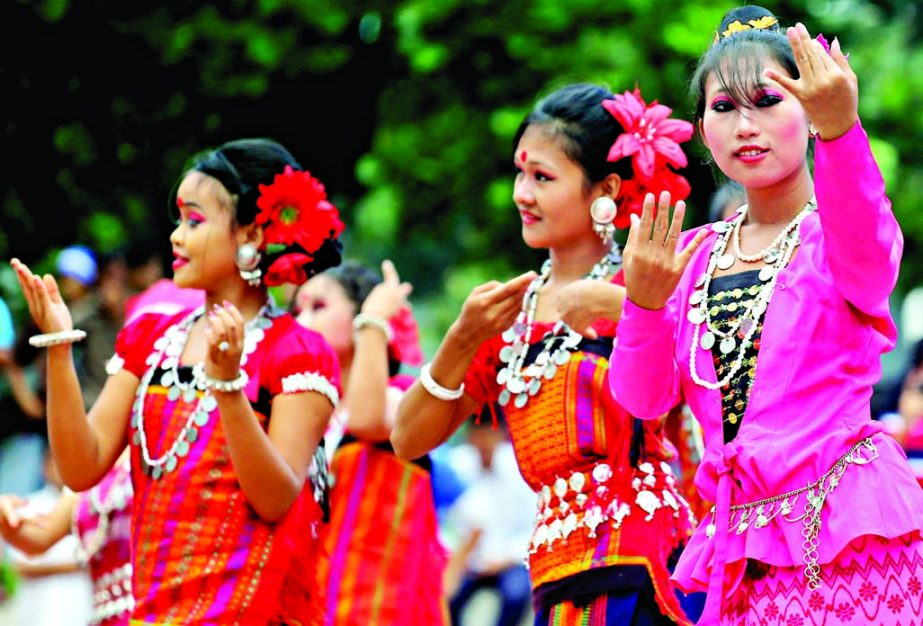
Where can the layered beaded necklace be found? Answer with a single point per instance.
(165, 359)
(521, 383)
(738, 336)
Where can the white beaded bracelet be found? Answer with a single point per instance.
(55, 339)
(226, 386)
(362, 320)
(435, 389)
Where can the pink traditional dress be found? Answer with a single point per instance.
(201, 555)
(102, 523)
(817, 514)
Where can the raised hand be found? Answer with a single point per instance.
(389, 296)
(827, 89)
(46, 305)
(652, 264)
(224, 332)
(582, 302)
(492, 307)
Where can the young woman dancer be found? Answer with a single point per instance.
(772, 330)
(223, 406)
(382, 562)
(609, 514)
(100, 518)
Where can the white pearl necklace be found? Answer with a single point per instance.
(172, 344)
(771, 253)
(748, 321)
(521, 383)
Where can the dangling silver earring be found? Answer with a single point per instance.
(602, 211)
(812, 130)
(247, 259)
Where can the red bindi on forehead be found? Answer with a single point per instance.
(523, 156)
(179, 203)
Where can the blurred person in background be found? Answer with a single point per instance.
(382, 561)
(97, 520)
(22, 411)
(906, 424)
(728, 197)
(493, 519)
(54, 587)
(95, 298)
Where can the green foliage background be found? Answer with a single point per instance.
(405, 109)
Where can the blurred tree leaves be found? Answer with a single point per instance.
(404, 108)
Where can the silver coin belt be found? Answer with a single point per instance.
(112, 594)
(758, 514)
(588, 500)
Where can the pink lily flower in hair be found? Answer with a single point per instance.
(648, 132)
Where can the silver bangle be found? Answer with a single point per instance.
(435, 389)
(362, 320)
(226, 386)
(54, 339)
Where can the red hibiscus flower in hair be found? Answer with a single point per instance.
(288, 268)
(649, 133)
(632, 192)
(294, 209)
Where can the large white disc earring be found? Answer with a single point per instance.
(247, 259)
(602, 211)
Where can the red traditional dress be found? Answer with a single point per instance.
(610, 513)
(102, 523)
(382, 561)
(201, 555)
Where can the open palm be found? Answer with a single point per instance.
(46, 305)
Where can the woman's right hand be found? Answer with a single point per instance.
(652, 264)
(491, 308)
(46, 305)
(389, 296)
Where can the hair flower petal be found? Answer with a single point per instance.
(648, 132)
(288, 268)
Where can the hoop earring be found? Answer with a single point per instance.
(247, 259)
(602, 212)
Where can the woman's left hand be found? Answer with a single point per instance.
(828, 89)
(224, 331)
